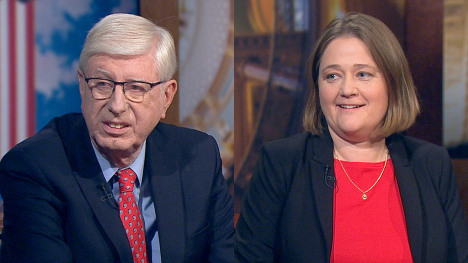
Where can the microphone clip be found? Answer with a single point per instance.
(330, 181)
(108, 196)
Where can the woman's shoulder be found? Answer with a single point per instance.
(292, 143)
(413, 144)
(289, 146)
(418, 150)
(293, 149)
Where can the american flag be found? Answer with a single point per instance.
(17, 73)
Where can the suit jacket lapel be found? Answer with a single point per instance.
(410, 195)
(161, 166)
(88, 175)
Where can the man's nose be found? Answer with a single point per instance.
(117, 103)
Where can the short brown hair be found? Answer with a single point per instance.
(403, 105)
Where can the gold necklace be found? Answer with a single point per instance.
(364, 196)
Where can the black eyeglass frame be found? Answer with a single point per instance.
(152, 85)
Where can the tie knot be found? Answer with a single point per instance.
(126, 179)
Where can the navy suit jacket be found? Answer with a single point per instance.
(54, 210)
(287, 212)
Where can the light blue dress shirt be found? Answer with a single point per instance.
(142, 196)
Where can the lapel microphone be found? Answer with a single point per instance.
(108, 196)
(330, 181)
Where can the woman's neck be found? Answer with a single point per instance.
(374, 150)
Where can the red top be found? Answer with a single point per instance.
(371, 230)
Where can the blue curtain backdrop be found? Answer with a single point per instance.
(58, 47)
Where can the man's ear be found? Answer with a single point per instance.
(170, 89)
(81, 81)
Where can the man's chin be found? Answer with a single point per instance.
(114, 145)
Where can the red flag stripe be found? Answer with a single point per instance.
(12, 70)
(17, 73)
(31, 73)
(4, 124)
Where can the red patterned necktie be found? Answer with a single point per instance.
(130, 215)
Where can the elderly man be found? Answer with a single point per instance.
(114, 184)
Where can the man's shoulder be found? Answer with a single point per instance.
(55, 130)
(179, 134)
(180, 142)
(48, 146)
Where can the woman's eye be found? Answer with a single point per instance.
(364, 75)
(331, 76)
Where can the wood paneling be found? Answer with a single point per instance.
(166, 14)
(460, 168)
(424, 50)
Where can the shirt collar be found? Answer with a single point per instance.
(109, 169)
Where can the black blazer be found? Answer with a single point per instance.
(53, 212)
(287, 211)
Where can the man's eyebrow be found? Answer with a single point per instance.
(108, 75)
(102, 71)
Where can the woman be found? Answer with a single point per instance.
(351, 189)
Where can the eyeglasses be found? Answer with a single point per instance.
(135, 91)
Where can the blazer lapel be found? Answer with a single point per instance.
(410, 195)
(88, 175)
(161, 166)
(320, 151)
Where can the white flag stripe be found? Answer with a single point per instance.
(21, 73)
(4, 79)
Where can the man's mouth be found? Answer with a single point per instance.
(117, 126)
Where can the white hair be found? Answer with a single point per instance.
(129, 35)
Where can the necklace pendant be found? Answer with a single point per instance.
(364, 196)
